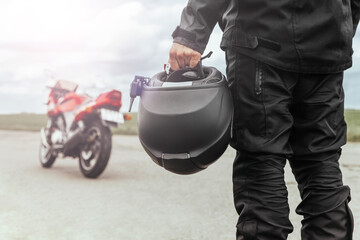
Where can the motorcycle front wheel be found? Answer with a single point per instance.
(46, 157)
(95, 151)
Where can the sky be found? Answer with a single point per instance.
(99, 44)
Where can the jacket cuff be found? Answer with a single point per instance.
(186, 38)
(179, 32)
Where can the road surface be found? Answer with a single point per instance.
(133, 199)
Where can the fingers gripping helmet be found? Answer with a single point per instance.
(184, 121)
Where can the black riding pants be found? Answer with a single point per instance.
(282, 115)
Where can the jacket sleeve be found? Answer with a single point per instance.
(355, 11)
(198, 19)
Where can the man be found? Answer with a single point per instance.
(285, 63)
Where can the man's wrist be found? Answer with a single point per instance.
(186, 43)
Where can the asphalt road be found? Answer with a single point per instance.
(133, 199)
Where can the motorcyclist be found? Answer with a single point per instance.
(285, 62)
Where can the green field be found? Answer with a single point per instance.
(34, 122)
(353, 121)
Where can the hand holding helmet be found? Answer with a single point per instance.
(181, 56)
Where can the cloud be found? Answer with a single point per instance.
(100, 44)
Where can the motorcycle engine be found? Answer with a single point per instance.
(57, 137)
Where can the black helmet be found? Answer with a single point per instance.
(184, 121)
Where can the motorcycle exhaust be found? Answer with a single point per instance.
(75, 139)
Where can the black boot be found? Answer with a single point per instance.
(336, 224)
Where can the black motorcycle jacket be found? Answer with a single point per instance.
(299, 36)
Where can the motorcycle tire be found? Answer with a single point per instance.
(95, 152)
(46, 158)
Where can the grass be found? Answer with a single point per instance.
(23, 121)
(34, 122)
(128, 128)
(352, 118)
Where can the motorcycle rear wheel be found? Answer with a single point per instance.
(95, 152)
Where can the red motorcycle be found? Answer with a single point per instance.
(79, 127)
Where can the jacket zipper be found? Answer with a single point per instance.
(258, 79)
